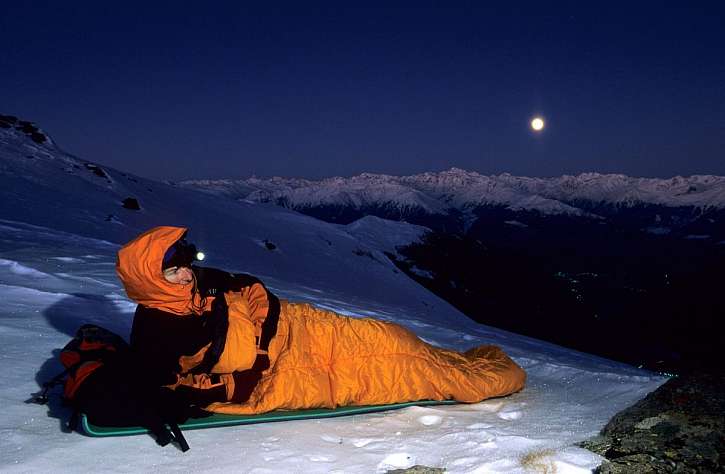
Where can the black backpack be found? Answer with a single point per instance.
(103, 380)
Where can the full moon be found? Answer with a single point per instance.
(537, 124)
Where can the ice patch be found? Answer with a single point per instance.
(331, 439)
(362, 442)
(396, 461)
(488, 406)
(577, 460)
(320, 458)
(430, 420)
(510, 415)
(478, 426)
(516, 223)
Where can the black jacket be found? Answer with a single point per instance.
(159, 338)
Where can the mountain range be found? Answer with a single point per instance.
(689, 207)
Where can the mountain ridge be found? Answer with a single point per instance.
(437, 192)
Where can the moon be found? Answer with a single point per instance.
(537, 123)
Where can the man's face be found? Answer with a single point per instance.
(179, 275)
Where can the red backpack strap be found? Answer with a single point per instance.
(76, 378)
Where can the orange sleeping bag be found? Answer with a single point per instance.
(320, 359)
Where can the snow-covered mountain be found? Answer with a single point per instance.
(463, 190)
(62, 219)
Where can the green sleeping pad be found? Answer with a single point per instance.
(216, 420)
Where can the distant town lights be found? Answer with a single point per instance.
(537, 124)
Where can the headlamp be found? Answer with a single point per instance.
(181, 254)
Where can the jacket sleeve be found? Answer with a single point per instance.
(263, 304)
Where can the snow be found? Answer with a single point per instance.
(658, 230)
(422, 273)
(57, 256)
(516, 223)
(384, 234)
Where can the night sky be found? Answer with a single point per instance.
(178, 90)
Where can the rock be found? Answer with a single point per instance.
(28, 128)
(678, 428)
(6, 121)
(96, 170)
(418, 469)
(131, 203)
(650, 422)
(38, 137)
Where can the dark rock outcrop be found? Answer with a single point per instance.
(418, 469)
(28, 128)
(679, 428)
(131, 203)
(95, 169)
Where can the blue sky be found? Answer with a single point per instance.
(176, 90)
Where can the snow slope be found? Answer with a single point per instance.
(61, 223)
(460, 189)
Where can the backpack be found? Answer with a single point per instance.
(91, 347)
(101, 380)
